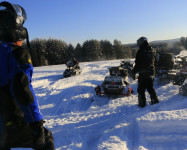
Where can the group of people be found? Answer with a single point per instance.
(21, 123)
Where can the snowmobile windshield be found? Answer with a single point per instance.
(70, 64)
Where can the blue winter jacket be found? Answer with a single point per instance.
(16, 71)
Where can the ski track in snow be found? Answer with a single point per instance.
(81, 120)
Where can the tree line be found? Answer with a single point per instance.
(53, 51)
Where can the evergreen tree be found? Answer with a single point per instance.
(38, 52)
(127, 52)
(119, 49)
(107, 50)
(79, 52)
(91, 50)
(70, 52)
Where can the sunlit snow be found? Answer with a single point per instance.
(81, 120)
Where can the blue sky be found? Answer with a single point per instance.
(76, 21)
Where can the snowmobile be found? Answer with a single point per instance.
(114, 85)
(182, 74)
(72, 69)
(165, 68)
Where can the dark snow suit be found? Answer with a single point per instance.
(145, 64)
(21, 123)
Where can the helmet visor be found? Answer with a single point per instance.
(20, 11)
(3, 8)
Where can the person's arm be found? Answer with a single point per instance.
(21, 84)
(21, 70)
(137, 62)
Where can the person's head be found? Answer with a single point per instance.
(12, 18)
(142, 41)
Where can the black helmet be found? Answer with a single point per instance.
(142, 40)
(12, 15)
(12, 18)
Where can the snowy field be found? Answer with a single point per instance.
(80, 120)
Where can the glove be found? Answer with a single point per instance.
(38, 133)
(49, 141)
(43, 137)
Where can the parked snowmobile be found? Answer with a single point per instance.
(72, 69)
(116, 83)
(165, 68)
(182, 73)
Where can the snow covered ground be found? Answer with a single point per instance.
(80, 120)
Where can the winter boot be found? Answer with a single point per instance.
(154, 101)
(141, 101)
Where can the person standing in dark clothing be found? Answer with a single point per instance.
(145, 64)
(21, 123)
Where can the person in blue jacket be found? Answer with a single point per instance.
(21, 123)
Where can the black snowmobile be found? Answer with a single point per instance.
(165, 68)
(182, 74)
(72, 69)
